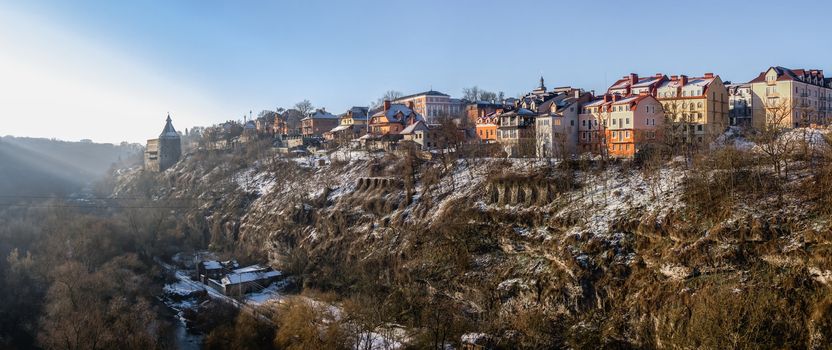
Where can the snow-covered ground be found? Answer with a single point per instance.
(253, 181)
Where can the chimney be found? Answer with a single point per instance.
(410, 104)
(709, 75)
(615, 98)
(386, 105)
(606, 98)
(683, 79)
(633, 78)
(578, 93)
(674, 77)
(659, 75)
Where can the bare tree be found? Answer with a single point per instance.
(474, 93)
(679, 130)
(390, 95)
(471, 93)
(770, 135)
(305, 107)
(488, 96)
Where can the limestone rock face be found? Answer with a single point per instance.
(608, 251)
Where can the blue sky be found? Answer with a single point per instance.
(111, 70)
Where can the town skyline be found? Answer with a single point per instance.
(73, 72)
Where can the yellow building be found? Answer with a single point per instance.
(697, 102)
(791, 97)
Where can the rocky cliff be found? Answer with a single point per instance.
(530, 252)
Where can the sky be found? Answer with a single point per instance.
(111, 71)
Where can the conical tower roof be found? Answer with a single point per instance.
(169, 131)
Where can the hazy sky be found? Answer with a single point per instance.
(111, 70)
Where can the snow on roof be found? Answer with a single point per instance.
(645, 82)
(211, 265)
(413, 127)
(595, 103)
(426, 93)
(626, 100)
(394, 110)
(340, 127)
(243, 277)
(699, 82)
(320, 114)
(251, 268)
(523, 111)
(623, 83)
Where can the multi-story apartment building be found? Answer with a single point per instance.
(556, 126)
(697, 103)
(480, 109)
(739, 104)
(700, 102)
(433, 104)
(486, 130)
(516, 132)
(791, 97)
(633, 85)
(620, 125)
(318, 123)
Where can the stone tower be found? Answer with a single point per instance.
(164, 152)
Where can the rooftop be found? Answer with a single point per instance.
(426, 93)
(169, 131)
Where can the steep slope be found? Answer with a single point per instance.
(620, 256)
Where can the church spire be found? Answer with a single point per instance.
(169, 131)
(542, 86)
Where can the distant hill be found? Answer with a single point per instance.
(40, 167)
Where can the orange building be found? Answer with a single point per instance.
(393, 118)
(620, 126)
(480, 109)
(487, 126)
